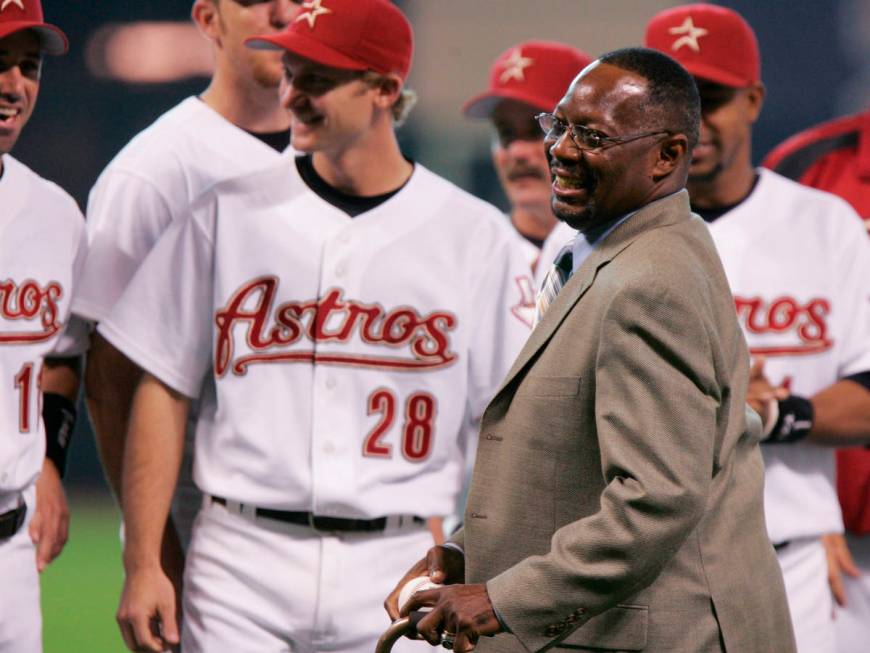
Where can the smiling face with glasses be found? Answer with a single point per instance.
(604, 158)
(586, 139)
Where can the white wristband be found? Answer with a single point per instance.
(772, 417)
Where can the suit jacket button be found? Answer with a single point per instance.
(551, 631)
(580, 612)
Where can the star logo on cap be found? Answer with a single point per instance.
(17, 3)
(691, 35)
(515, 66)
(315, 9)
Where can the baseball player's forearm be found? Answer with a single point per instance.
(110, 381)
(841, 415)
(152, 459)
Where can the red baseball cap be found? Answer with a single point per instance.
(535, 72)
(20, 15)
(348, 34)
(711, 42)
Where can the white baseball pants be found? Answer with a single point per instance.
(805, 572)
(853, 621)
(20, 617)
(260, 586)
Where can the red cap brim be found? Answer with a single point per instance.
(482, 106)
(51, 39)
(715, 75)
(305, 47)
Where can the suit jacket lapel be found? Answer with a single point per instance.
(668, 210)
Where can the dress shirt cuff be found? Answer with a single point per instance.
(455, 547)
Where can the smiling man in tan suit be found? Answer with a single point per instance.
(616, 503)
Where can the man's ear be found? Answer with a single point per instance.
(389, 87)
(755, 100)
(670, 154)
(206, 16)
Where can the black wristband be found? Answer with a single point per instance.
(795, 421)
(59, 416)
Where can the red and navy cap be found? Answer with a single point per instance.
(711, 42)
(20, 15)
(348, 34)
(535, 72)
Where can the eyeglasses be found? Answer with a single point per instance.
(586, 139)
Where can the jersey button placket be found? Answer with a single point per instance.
(329, 446)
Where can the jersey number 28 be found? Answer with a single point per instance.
(418, 427)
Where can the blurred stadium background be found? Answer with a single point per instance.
(130, 61)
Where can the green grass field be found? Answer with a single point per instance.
(80, 589)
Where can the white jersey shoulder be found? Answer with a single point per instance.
(798, 260)
(187, 150)
(27, 188)
(42, 247)
(150, 183)
(799, 204)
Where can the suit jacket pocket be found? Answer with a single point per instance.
(621, 628)
(550, 386)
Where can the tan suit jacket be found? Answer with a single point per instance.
(616, 502)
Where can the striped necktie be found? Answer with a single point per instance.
(553, 282)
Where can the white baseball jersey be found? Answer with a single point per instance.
(42, 246)
(344, 356)
(150, 183)
(798, 261)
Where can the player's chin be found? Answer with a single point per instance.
(573, 212)
(702, 168)
(8, 137)
(305, 143)
(306, 136)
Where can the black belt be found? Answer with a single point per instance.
(321, 523)
(11, 521)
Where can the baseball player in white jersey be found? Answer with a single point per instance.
(798, 262)
(41, 247)
(234, 126)
(524, 80)
(342, 320)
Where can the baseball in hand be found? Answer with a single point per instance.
(416, 585)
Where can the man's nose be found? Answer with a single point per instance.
(291, 96)
(704, 132)
(12, 84)
(563, 148)
(282, 13)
